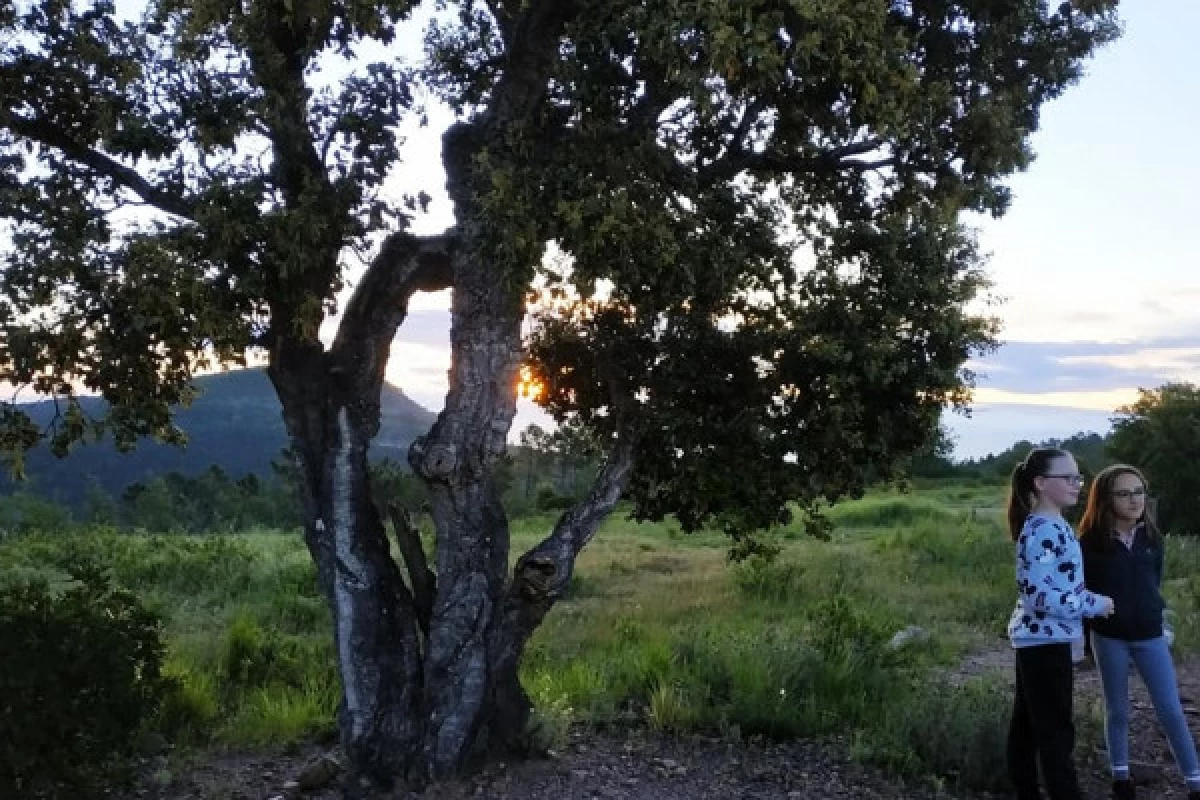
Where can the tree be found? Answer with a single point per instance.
(1160, 434)
(767, 192)
(577, 449)
(536, 443)
(933, 461)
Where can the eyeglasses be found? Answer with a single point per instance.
(1075, 479)
(1125, 494)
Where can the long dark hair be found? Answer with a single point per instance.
(1097, 526)
(1022, 489)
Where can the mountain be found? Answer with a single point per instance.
(235, 423)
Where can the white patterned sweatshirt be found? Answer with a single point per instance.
(1051, 599)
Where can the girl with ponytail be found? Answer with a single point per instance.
(1052, 603)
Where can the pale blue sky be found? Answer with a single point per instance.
(1097, 256)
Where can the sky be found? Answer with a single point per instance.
(1094, 265)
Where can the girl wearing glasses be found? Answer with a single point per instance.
(1052, 602)
(1123, 558)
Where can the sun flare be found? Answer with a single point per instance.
(528, 386)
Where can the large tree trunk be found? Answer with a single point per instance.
(430, 682)
(457, 460)
(374, 623)
(430, 708)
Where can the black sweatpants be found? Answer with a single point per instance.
(1042, 730)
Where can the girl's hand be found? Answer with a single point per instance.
(1106, 607)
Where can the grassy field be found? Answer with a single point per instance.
(659, 629)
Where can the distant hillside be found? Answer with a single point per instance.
(235, 422)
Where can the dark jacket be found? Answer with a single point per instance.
(1132, 577)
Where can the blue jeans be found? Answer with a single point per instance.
(1153, 661)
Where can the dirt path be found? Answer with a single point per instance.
(596, 768)
(647, 767)
(1153, 765)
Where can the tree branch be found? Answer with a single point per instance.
(404, 265)
(503, 17)
(837, 158)
(104, 165)
(533, 46)
(421, 577)
(542, 574)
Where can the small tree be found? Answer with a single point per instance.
(1160, 434)
(537, 446)
(769, 191)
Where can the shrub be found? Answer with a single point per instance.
(773, 581)
(550, 500)
(954, 735)
(80, 676)
(886, 512)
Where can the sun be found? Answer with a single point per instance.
(528, 386)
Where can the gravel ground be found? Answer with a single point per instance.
(647, 767)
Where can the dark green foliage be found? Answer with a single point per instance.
(1090, 451)
(209, 502)
(253, 657)
(1160, 434)
(393, 484)
(757, 382)
(550, 500)
(932, 464)
(79, 679)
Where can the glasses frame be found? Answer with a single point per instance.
(1128, 494)
(1076, 479)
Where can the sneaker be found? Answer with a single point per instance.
(1123, 790)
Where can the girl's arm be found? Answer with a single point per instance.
(1159, 555)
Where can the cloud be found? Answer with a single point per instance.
(420, 371)
(1104, 400)
(1089, 368)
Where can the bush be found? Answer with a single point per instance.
(550, 500)
(80, 677)
(888, 512)
(953, 734)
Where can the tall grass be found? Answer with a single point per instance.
(658, 629)
(250, 654)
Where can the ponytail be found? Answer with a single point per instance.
(1022, 488)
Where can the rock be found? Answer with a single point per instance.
(318, 774)
(913, 634)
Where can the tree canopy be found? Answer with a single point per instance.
(1160, 434)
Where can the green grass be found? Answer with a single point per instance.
(657, 629)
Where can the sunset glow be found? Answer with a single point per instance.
(528, 386)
